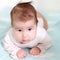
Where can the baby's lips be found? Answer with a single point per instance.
(25, 41)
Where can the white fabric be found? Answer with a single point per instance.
(12, 46)
(40, 20)
(26, 1)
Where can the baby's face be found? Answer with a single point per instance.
(24, 32)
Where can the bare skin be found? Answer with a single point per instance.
(21, 54)
(35, 51)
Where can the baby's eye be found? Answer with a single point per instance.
(19, 30)
(30, 29)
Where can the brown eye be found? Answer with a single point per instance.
(19, 30)
(30, 29)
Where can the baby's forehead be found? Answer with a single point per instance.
(19, 24)
(17, 20)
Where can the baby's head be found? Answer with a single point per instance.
(24, 22)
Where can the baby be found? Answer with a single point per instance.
(26, 32)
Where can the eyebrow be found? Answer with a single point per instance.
(18, 28)
(30, 27)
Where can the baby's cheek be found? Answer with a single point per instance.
(18, 37)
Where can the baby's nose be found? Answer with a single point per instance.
(25, 37)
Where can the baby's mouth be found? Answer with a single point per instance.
(24, 41)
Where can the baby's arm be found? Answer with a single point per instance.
(45, 43)
(45, 24)
(12, 49)
(42, 46)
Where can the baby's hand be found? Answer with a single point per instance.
(35, 51)
(21, 53)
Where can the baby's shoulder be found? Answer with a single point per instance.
(7, 35)
(41, 32)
